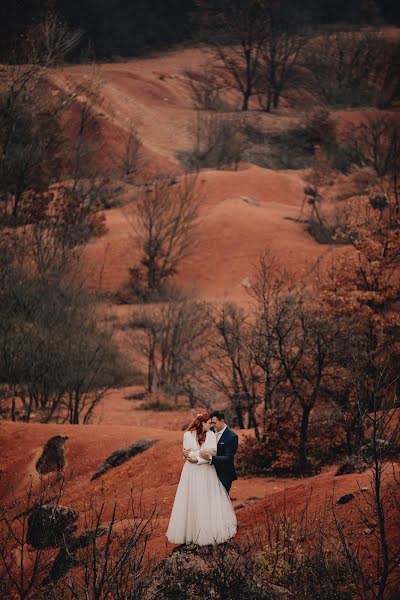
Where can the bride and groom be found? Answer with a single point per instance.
(202, 512)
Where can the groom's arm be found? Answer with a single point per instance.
(229, 456)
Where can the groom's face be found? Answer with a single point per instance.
(216, 424)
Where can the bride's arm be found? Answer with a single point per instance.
(188, 451)
(210, 445)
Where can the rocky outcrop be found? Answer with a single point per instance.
(210, 573)
(352, 465)
(53, 455)
(123, 454)
(345, 498)
(382, 448)
(50, 525)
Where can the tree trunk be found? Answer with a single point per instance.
(246, 98)
(268, 105)
(75, 416)
(239, 416)
(252, 423)
(150, 372)
(302, 453)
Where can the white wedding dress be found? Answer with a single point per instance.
(202, 512)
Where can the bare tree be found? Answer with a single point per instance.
(285, 40)
(30, 148)
(131, 158)
(237, 31)
(172, 342)
(375, 143)
(344, 68)
(41, 144)
(380, 504)
(268, 286)
(54, 358)
(230, 368)
(51, 40)
(205, 87)
(164, 218)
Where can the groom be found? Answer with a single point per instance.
(227, 445)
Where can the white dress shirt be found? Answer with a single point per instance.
(219, 433)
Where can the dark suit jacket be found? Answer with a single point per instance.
(223, 461)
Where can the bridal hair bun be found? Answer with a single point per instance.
(197, 426)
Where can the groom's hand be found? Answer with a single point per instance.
(205, 454)
(185, 453)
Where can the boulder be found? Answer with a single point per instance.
(383, 450)
(123, 454)
(50, 525)
(210, 573)
(53, 456)
(345, 498)
(352, 465)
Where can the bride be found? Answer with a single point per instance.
(202, 512)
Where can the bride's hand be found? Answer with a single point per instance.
(205, 454)
(185, 452)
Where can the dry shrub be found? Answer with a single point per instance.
(295, 554)
(218, 143)
(327, 436)
(205, 87)
(278, 454)
(102, 556)
(294, 147)
(347, 68)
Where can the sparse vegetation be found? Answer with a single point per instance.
(218, 143)
(105, 558)
(164, 220)
(308, 362)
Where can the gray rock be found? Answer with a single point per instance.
(50, 525)
(383, 450)
(210, 573)
(122, 455)
(345, 498)
(53, 455)
(352, 465)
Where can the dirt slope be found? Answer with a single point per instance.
(155, 473)
(243, 212)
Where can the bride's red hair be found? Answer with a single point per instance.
(197, 426)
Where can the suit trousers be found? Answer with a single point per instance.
(227, 486)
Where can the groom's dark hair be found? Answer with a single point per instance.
(219, 414)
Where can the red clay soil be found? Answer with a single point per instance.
(243, 212)
(155, 474)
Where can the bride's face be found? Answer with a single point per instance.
(207, 425)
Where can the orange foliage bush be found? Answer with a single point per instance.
(278, 455)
